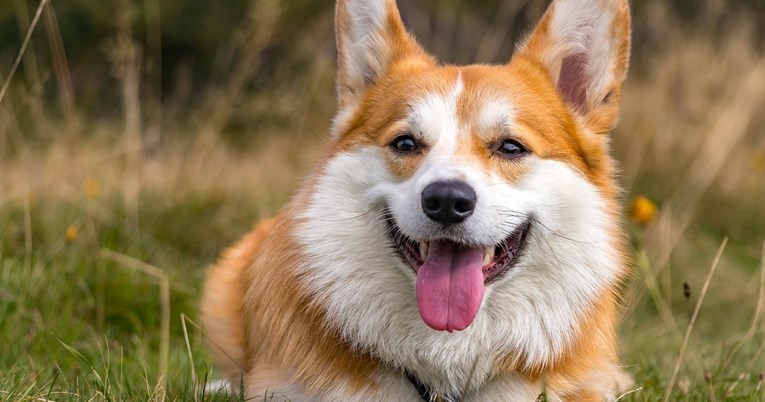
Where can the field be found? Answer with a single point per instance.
(113, 203)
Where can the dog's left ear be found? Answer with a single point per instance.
(371, 39)
(584, 45)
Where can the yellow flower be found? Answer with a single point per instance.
(91, 187)
(71, 233)
(758, 162)
(643, 210)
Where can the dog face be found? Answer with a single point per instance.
(468, 211)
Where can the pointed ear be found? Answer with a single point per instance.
(584, 46)
(370, 39)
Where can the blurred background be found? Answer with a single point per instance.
(139, 138)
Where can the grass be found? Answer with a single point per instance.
(82, 323)
(105, 232)
(92, 301)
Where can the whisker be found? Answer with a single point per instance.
(508, 213)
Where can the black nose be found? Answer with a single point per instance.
(448, 202)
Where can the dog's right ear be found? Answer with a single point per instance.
(371, 39)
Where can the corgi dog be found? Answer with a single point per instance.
(461, 241)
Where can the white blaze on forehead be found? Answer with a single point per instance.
(434, 118)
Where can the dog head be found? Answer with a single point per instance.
(470, 206)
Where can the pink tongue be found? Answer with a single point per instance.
(450, 286)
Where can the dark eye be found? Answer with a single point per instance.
(512, 149)
(404, 144)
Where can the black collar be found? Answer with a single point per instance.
(425, 392)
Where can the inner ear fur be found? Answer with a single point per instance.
(371, 38)
(584, 47)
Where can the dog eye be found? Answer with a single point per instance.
(512, 149)
(404, 144)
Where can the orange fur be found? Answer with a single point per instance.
(275, 302)
(222, 302)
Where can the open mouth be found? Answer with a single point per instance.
(496, 260)
(451, 276)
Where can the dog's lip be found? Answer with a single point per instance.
(506, 253)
